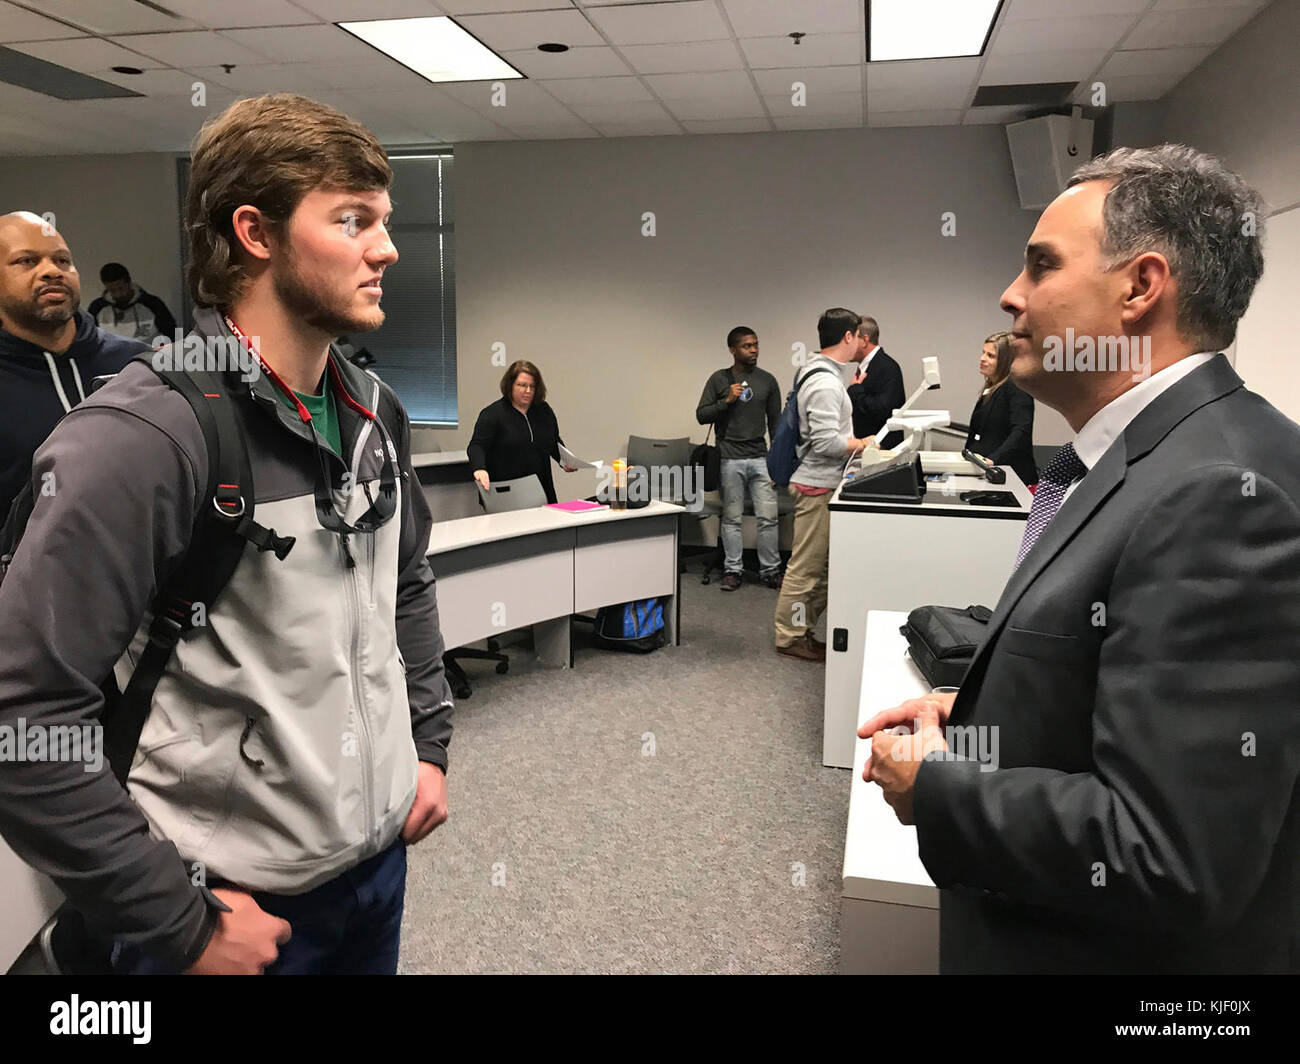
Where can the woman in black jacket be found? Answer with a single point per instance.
(1002, 423)
(518, 434)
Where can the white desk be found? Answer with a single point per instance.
(538, 567)
(889, 907)
(896, 556)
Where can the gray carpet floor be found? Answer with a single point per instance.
(571, 849)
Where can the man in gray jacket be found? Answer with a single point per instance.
(826, 442)
(297, 738)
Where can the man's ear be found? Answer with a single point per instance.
(1147, 280)
(252, 232)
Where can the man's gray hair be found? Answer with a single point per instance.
(1204, 219)
(869, 329)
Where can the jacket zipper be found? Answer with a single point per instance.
(529, 424)
(363, 724)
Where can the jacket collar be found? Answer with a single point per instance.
(1202, 386)
(355, 401)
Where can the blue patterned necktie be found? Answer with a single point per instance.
(1064, 468)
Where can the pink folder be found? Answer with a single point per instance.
(577, 506)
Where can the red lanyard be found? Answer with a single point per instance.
(303, 412)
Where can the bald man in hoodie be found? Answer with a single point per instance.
(50, 350)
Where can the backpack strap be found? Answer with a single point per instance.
(798, 384)
(223, 525)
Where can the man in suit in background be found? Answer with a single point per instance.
(1139, 686)
(877, 389)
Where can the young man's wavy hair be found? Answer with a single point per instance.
(268, 152)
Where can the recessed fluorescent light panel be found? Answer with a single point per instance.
(435, 48)
(928, 29)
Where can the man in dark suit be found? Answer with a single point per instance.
(1140, 680)
(877, 389)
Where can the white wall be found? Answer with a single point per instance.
(1243, 105)
(109, 208)
(765, 230)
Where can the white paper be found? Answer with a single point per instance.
(567, 457)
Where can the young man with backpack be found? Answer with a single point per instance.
(294, 738)
(50, 351)
(825, 442)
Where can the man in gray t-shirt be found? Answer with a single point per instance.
(744, 403)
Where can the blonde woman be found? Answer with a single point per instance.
(1002, 423)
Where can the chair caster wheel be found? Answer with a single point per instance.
(704, 579)
(503, 667)
(463, 692)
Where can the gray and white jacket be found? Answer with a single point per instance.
(284, 735)
(825, 424)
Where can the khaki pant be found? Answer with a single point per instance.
(803, 592)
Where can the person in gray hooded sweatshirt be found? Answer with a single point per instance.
(826, 442)
(50, 351)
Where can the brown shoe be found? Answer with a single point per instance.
(804, 647)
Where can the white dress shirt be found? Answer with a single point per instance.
(1109, 423)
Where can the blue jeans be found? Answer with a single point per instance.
(349, 925)
(738, 476)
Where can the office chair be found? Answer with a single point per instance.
(502, 496)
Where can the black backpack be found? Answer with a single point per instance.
(223, 526)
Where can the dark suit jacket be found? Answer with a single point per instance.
(1143, 670)
(877, 397)
(1004, 423)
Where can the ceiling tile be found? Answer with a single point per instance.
(224, 14)
(833, 49)
(503, 33)
(523, 102)
(1154, 61)
(639, 129)
(914, 118)
(19, 24)
(632, 111)
(918, 98)
(775, 18)
(818, 122)
(1060, 34)
(1040, 66)
(917, 73)
(306, 79)
(309, 44)
(479, 7)
(682, 58)
(691, 20)
(113, 16)
(597, 90)
(162, 81)
(1201, 25)
(815, 79)
(1183, 5)
(389, 75)
(706, 107)
(86, 54)
(364, 10)
(1124, 90)
(192, 49)
(824, 103)
(575, 63)
(728, 125)
(1024, 10)
(731, 84)
(574, 130)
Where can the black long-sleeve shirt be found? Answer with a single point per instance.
(509, 444)
(1002, 430)
(741, 424)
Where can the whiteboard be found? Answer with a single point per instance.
(1266, 358)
